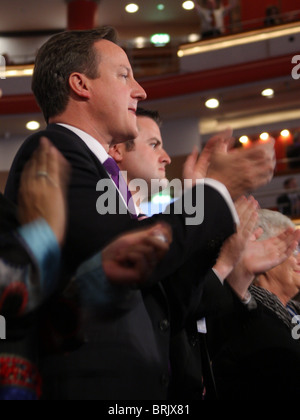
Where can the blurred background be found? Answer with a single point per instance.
(245, 75)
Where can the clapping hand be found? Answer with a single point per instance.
(43, 188)
(132, 257)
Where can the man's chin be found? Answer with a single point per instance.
(123, 137)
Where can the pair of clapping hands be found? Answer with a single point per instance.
(132, 257)
(242, 171)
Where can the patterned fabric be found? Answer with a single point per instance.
(19, 379)
(24, 287)
(272, 302)
(13, 290)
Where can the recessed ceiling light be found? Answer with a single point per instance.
(193, 37)
(132, 8)
(264, 136)
(33, 125)
(161, 7)
(212, 103)
(140, 42)
(285, 133)
(244, 140)
(188, 5)
(269, 93)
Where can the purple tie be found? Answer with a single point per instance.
(114, 171)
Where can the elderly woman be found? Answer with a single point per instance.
(277, 287)
(252, 348)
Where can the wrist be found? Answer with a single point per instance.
(240, 281)
(223, 269)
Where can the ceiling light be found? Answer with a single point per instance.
(188, 5)
(140, 42)
(33, 125)
(193, 37)
(17, 71)
(161, 7)
(160, 40)
(132, 8)
(269, 93)
(212, 103)
(244, 140)
(264, 136)
(285, 133)
(28, 72)
(11, 73)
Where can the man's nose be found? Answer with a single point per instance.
(138, 92)
(165, 158)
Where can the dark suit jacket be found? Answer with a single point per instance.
(284, 204)
(194, 247)
(253, 353)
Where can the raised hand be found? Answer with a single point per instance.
(43, 188)
(243, 170)
(235, 246)
(196, 166)
(262, 256)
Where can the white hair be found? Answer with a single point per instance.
(272, 223)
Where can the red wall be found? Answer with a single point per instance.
(254, 10)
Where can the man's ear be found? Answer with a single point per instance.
(79, 85)
(117, 152)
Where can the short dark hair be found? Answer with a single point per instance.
(58, 58)
(142, 112)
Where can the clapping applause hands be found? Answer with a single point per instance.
(243, 256)
(132, 257)
(240, 170)
(43, 187)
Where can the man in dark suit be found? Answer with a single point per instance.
(30, 240)
(145, 158)
(84, 84)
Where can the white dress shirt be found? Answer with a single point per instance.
(96, 148)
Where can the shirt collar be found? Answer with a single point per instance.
(95, 147)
